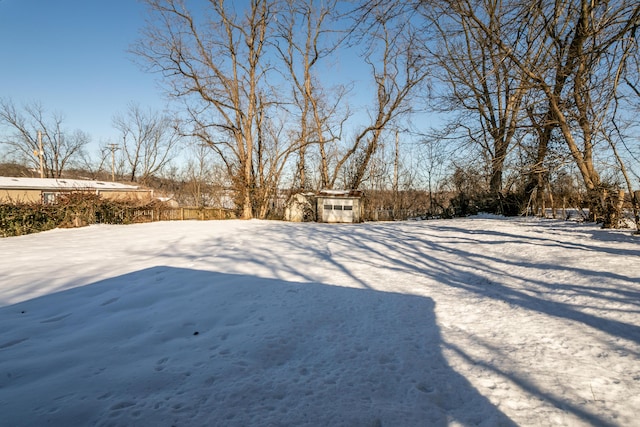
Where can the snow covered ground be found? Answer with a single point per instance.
(478, 321)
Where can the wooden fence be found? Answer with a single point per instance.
(180, 214)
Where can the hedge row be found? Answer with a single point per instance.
(69, 210)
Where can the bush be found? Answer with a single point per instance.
(69, 210)
(19, 219)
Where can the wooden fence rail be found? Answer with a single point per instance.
(133, 214)
(181, 214)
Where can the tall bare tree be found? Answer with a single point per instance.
(149, 140)
(480, 82)
(214, 59)
(60, 147)
(399, 72)
(309, 36)
(628, 156)
(581, 39)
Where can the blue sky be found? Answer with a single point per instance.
(71, 55)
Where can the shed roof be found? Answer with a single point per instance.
(8, 182)
(340, 193)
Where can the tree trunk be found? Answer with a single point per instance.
(636, 210)
(605, 205)
(613, 203)
(495, 184)
(552, 202)
(247, 208)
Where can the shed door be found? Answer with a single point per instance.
(338, 210)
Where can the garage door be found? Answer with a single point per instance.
(338, 211)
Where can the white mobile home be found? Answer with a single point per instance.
(46, 190)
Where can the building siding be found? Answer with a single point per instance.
(20, 196)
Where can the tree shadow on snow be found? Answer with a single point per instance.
(453, 265)
(170, 346)
(510, 280)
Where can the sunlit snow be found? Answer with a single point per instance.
(479, 321)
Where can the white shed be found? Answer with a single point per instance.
(343, 206)
(300, 208)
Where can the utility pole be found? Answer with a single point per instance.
(113, 148)
(40, 154)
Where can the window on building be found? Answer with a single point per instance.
(49, 198)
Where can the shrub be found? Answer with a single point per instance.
(69, 210)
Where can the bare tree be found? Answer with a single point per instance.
(198, 177)
(433, 160)
(394, 54)
(214, 59)
(149, 139)
(309, 37)
(57, 147)
(480, 81)
(273, 150)
(627, 158)
(582, 40)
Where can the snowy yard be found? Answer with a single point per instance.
(477, 321)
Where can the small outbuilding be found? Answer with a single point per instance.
(339, 206)
(46, 190)
(331, 206)
(301, 207)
